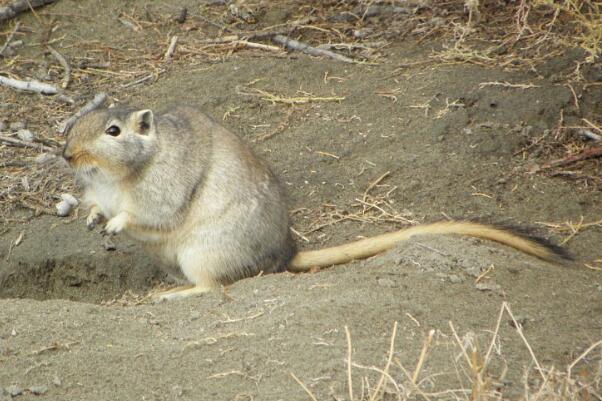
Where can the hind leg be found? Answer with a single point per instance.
(200, 272)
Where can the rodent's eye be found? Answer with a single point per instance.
(113, 130)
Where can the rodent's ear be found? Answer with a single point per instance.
(143, 121)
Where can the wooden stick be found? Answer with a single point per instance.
(10, 37)
(64, 64)
(18, 6)
(244, 36)
(88, 107)
(31, 86)
(375, 183)
(586, 154)
(138, 81)
(307, 49)
(255, 45)
(22, 144)
(14, 163)
(172, 47)
(591, 124)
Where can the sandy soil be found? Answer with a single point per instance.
(72, 326)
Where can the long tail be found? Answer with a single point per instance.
(364, 248)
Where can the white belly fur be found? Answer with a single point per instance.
(109, 201)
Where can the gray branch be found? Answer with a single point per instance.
(88, 107)
(18, 6)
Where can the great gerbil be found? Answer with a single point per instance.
(188, 188)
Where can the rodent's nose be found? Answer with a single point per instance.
(67, 155)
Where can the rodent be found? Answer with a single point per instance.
(192, 191)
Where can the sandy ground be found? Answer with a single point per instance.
(72, 326)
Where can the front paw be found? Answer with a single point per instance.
(117, 224)
(94, 218)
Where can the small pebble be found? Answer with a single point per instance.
(108, 244)
(14, 390)
(362, 33)
(520, 319)
(66, 99)
(57, 381)
(25, 184)
(44, 158)
(386, 282)
(474, 271)
(3, 126)
(488, 287)
(25, 135)
(38, 390)
(13, 332)
(63, 208)
(455, 279)
(17, 125)
(9, 52)
(182, 15)
(177, 391)
(70, 199)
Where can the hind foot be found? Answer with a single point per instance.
(179, 293)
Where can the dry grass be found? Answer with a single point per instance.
(476, 378)
(375, 206)
(524, 33)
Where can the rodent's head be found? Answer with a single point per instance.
(118, 141)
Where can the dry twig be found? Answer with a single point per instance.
(584, 155)
(22, 144)
(64, 64)
(18, 6)
(88, 107)
(507, 84)
(10, 38)
(29, 86)
(293, 44)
